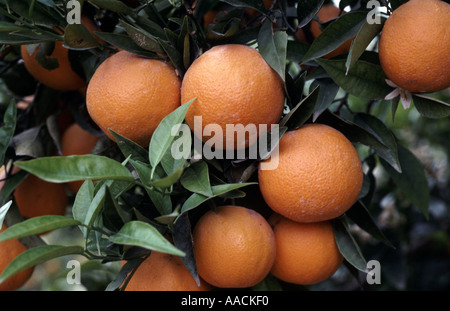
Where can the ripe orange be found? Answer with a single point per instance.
(77, 141)
(232, 85)
(234, 247)
(37, 197)
(318, 177)
(325, 14)
(9, 250)
(164, 272)
(63, 78)
(307, 253)
(131, 95)
(414, 46)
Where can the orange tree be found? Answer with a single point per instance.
(139, 197)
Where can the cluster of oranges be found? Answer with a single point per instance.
(318, 178)
(319, 175)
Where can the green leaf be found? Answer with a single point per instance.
(162, 202)
(364, 37)
(130, 148)
(95, 207)
(196, 179)
(77, 167)
(365, 80)
(83, 200)
(351, 130)
(174, 55)
(182, 238)
(302, 111)
(348, 246)
(77, 36)
(327, 93)
(163, 136)
(336, 33)
(379, 129)
(273, 47)
(412, 182)
(10, 185)
(38, 255)
(360, 215)
(124, 42)
(7, 129)
(168, 180)
(114, 216)
(306, 10)
(168, 162)
(218, 190)
(142, 38)
(39, 15)
(296, 50)
(138, 233)
(36, 225)
(113, 5)
(431, 107)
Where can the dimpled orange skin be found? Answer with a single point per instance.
(307, 253)
(164, 272)
(37, 197)
(77, 141)
(131, 95)
(318, 177)
(232, 84)
(62, 78)
(9, 250)
(414, 46)
(234, 248)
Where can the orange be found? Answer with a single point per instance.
(414, 46)
(77, 141)
(325, 14)
(318, 177)
(232, 84)
(37, 197)
(307, 253)
(63, 78)
(164, 272)
(131, 95)
(9, 250)
(234, 247)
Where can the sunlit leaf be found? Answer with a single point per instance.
(138, 233)
(36, 225)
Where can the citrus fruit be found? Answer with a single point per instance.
(77, 141)
(9, 250)
(306, 253)
(414, 46)
(37, 197)
(163, 272)
(62, 78)
(234, 247)
(232, 85)
(325, 14)
(130, 95)
(318, 177)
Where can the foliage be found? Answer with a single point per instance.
(133, 197)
